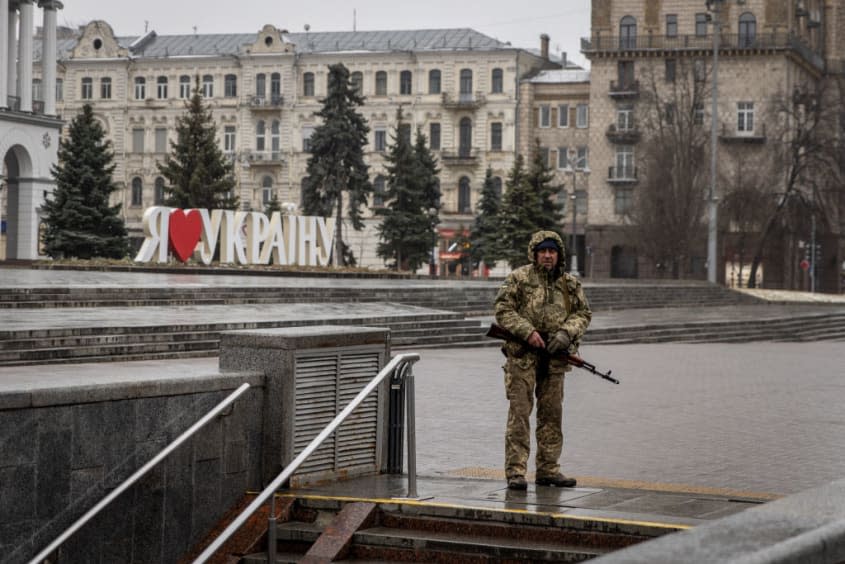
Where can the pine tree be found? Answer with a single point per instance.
(428, 175)
(405, 231)
(486, 231)
(540, 177)
(337, 160)
(518, 215)
(197, 172)
(79, 220)
(273, 205)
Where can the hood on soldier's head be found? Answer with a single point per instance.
(541, 236)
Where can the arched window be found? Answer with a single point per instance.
(230, 86)
(37, 90)
(378, 191)
(266, 189)
(465, 138)
(260, 85)
(464, 204)
(497, 81)
(137, 192)
(308, 84)
(466, 84)
(161, 87)
(747, 29)
(405, 82)
(140, 87)
(381, 83)
(275, 139)
(628, 33)
(260, 134)
(207, 85)
(434, 81)
(276, 88)
(357, 80)
(184, 86)
(159, 191)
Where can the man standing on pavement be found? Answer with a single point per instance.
(546, 308)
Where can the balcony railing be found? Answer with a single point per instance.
(622, 136)
(727, 42)
(272, 103)
(265, 157)
(464, 101)
(622, 175)
(730, 134)
(463, 156)
(624, 88)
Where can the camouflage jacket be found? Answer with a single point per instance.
(532, 298)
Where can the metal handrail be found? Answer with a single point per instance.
(401, 362)
(138, 474)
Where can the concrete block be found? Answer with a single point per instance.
(18, 437)
(17, 493)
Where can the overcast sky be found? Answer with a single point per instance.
(519, 21)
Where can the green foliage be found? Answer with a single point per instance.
(273, 205)
(486, 231)
(80, 223)
(337, 158)
(412, 190)
(518, 214)
(197, 172)
(540, 177)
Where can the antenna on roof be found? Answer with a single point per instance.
(354, 19)
(195, 30)
(146, 26)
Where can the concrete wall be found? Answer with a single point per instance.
(62, 450)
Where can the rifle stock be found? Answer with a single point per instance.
(496, 331)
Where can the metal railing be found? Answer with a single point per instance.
(79, 523)
(402, 364)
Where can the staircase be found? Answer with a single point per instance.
(322, 530)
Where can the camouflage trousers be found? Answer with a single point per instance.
(521, 385)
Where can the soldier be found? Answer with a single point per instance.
(546, 308)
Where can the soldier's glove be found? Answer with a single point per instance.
(559, 343)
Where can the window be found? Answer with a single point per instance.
(671, 67)
(434, 81)
(140, 88)
(628, 33)
(275, 139)
(379, 139)
(229, 139)
(496, 136)
(701, 21)
(230, 86)
(308, 84)
(161, 87)
(307, 132)
(625, 118)
(465, 137)
(434, 136)
(105, 88)
(563, 157)
(266, 190)
(37, 89)
(381, 83)
(497, 187)
(466, 84)
(137, 140)
(747, 29)
(137, 192)
(405, 132)
(275, 87)
(745, 117)
(260, 135)
(669, 111)
(357, 80)
(497, 81)
(583, 161)
(161, 139)
(582, 116)
(671, 25)
(698, 114)
(260, 85)
(544, 116)
(378, 191)
(625, 74)
(464, 205)
(405, 80)
(699, 70)
(624, 162)
(158, 197)
(563, 115)
(623, 201)
(207, 85)
(60, 89)
(184, 86)
(87, 91)
(580, 202)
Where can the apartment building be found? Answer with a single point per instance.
(459, 87)
(767, 50)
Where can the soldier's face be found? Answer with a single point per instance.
(547, 258)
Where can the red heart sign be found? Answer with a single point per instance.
(184, 232)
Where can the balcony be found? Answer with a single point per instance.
(265, 158)
(600, 45)
(258, 103)
(622, 175)
(626, 89)
(464, 101)
(622, 136)
(730, 134)
(464, 156)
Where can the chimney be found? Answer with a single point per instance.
(563, 60)
(544, 46)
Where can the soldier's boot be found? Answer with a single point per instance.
(557, 480)
(517, 483)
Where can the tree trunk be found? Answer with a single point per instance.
(338, 231)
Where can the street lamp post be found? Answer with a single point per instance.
(432, 264)
(573, 264)
(712, 201)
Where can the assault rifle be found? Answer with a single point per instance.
(498, 332)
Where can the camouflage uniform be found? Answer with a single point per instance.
(533, 298)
